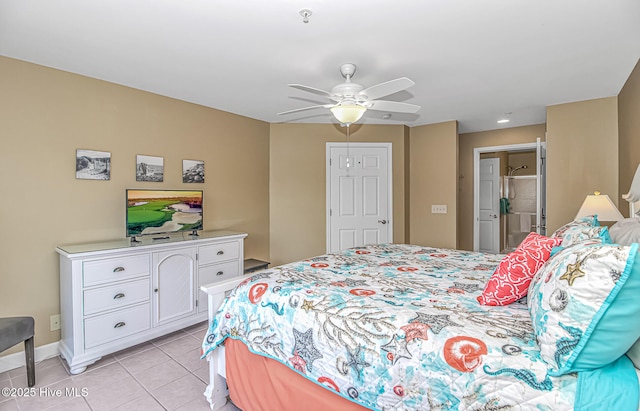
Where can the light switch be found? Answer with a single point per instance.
(439, 209)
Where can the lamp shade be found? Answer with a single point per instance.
(348, 113)
(602, 206)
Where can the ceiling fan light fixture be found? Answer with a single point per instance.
(351, 100)
(348, 113)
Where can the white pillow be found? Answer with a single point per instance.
(626, 231)
(634, 354)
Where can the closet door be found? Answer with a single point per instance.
(359, 195)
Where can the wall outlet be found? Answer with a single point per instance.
(438, 209)
(54, 322)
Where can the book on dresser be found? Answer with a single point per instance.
(116, 294)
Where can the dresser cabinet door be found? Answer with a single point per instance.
(174, 284)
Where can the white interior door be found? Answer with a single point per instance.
(489, 205)
(541, 188)
(358, 195)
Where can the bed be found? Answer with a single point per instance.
(401, 327)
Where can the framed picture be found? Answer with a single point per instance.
(149, 168)
(93, 165)
(192, 171)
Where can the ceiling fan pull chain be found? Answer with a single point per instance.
(348, 161)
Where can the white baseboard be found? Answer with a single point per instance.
(16, 360)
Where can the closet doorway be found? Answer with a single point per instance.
(520, 198)
(359, 195)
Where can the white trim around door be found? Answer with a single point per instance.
(476, 181)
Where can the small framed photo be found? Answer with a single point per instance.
(149, 168)
(192, 171)
(93, 165)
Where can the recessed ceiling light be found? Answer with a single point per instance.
(504, 120)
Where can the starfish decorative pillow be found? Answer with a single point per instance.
(584, 306)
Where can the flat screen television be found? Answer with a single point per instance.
(152, 212)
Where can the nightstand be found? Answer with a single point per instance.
(251, 265)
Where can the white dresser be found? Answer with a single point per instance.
(117, 294)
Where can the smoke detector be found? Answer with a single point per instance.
(305, 13)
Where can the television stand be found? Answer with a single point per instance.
(194, 233)
(109, 294)
(135, 240)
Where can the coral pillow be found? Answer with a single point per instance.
(512, 278)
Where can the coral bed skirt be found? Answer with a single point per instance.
(258, 383)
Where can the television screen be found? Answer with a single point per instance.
(163, 211)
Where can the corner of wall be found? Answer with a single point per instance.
(407, 184)
(433, 174)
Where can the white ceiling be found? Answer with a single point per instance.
(472, 60)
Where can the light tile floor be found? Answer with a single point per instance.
(163, 374)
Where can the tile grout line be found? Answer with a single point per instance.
(141, 384)
(159, 346)
(61, 362)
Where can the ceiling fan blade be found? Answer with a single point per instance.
(307, 108)
(311, 90)
(389, 87)
(393, 106)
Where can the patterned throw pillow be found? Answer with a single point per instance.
(577, 234)
(584, 306)
(511, 279)
(588, 221)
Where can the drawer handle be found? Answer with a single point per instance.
(119, 325)
(220, 252)
(118, 269)
(118, 296)
(220, 273)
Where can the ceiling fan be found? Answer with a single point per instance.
(351, 100)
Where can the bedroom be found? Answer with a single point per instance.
(48, 114)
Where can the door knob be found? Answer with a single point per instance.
(382, 221)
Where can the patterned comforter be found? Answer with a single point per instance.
(395, 327)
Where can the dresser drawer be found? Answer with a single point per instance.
(211, 274)
(113, 326)
(116, 296)
(208, 254)
(114, 269)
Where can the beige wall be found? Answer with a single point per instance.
(629, 130)
(433, 181)
(46, 114)
(267, 180)
(298, 189)
(582, 156)
(467, 143)
(527, 158)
